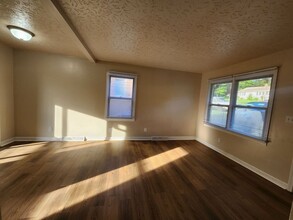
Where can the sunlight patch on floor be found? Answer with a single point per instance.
(19, 152)
(66, 197)
(71, 146)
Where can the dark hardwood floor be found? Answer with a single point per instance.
(132, 180)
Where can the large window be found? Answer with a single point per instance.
(243, 103)
(120, 101)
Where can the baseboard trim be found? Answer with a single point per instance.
(37, 139)
(291, 212)
(93, 138)
(261, 173)
(6, 142)
(290, 182)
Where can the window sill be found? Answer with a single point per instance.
(120, 119)
(260, 141)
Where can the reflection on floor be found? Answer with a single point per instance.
(132, 180)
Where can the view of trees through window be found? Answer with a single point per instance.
(221, 93)
(254, 92)
(248, 91)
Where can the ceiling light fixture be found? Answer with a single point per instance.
(20, 33)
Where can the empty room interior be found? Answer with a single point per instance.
(151, 109)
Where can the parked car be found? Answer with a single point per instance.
(258, 104)
(248, 121)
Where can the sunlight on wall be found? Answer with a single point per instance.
(118, 133)
(73, 194)
(58, 122)
(70, 123)
(79, 124)
(204, 133)
(122, 127)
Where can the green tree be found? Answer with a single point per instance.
(254, 83)
(222, 90)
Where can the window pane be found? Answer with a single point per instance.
(248, 121)
(221, 93)
(121, 87)
(254, 92)
(218, 115)
(120, 108)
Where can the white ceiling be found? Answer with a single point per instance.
(189, 35)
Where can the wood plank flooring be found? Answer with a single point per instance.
(132, 180)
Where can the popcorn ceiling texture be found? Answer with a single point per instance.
(186, 35)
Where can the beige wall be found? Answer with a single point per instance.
(58, 96)
(6, 94)
(275, 158)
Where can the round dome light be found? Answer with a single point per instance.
(20, 33)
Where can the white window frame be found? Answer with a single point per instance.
(269, 72)
(120, 75)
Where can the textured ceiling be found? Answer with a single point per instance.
(185, 35)
(35, 16)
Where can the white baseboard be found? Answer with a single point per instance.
(246, 165)
(96, 138)
(7, 141)
(37, 139)
(291, 212)
(290, 182)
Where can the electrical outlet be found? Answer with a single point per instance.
(289, 119)
(145, 130)
(219, 140)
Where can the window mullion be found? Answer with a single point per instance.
(112, 97)
(270, 107)
(233, 96)
(208, 104)
(250, 107)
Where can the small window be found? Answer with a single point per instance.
(243, 103)
(120, 101)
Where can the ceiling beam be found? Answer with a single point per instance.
(60, 14)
